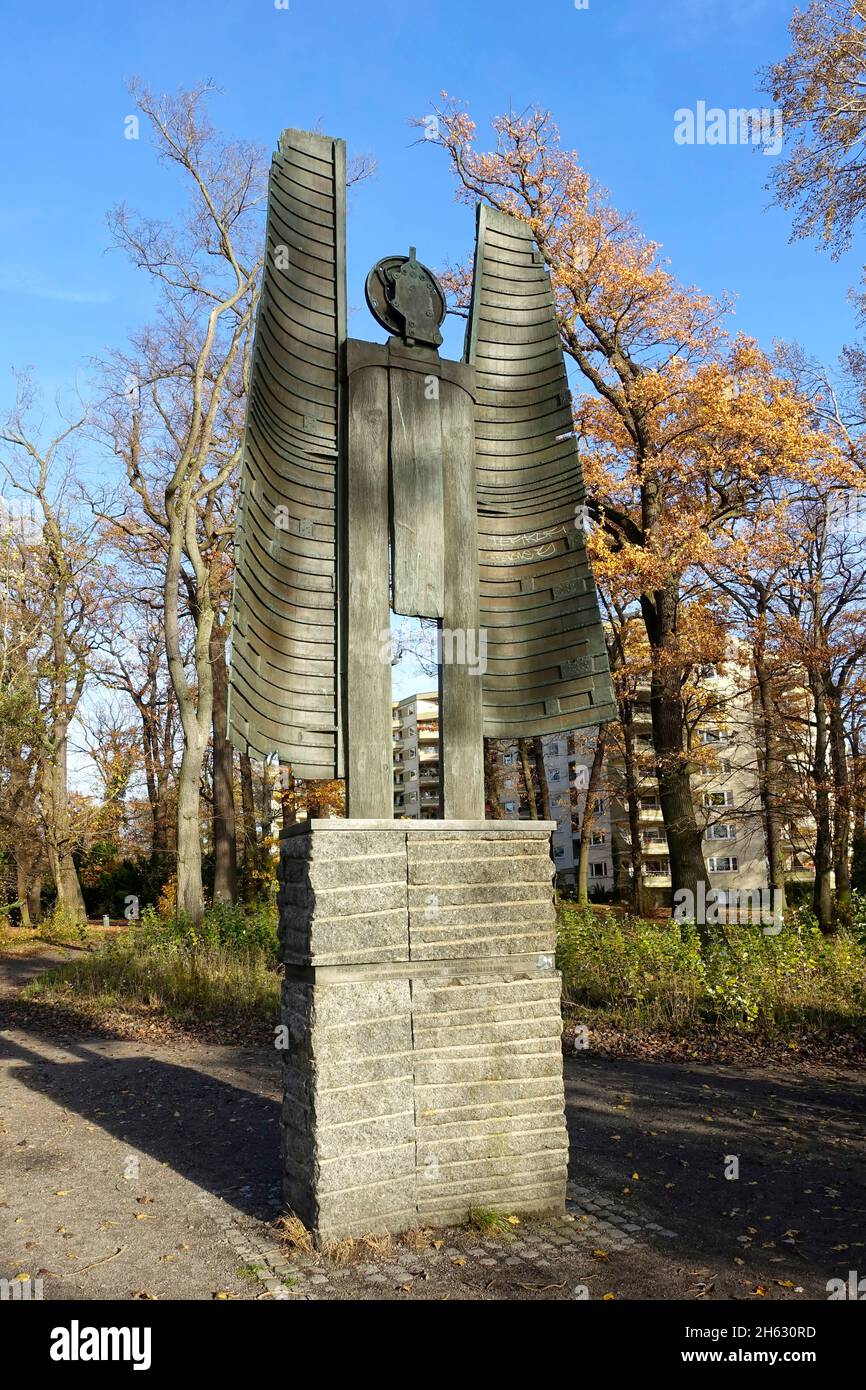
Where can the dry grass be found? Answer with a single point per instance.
(294, 1235)
(297, 1240)
(186, 987)
(419, 1238)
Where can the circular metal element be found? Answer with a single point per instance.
(406, 299)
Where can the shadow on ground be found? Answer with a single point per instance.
(220, 1133)
(659, 1139)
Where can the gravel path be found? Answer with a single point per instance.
(131, 1169)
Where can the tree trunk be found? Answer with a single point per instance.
(58, 835)
(632, 800)
(770, 768)
(248, 809)
(588, 818)
(267, 806)
(823, 895)
(27, 889)
(491, 781)
(842, 808)
(225, 883)
(544, 789)
(672, 761)
(523, 751)
(190, 896)
(289, 796)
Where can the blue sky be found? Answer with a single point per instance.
(613, 74)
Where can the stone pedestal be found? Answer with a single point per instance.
(423, 1075)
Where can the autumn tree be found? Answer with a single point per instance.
(680, 424)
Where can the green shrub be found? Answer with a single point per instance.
(658, 975)
(225, 970)
(61, 929)
(225, 926)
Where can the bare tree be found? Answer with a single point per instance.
(66, 564)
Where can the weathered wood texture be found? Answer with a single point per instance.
(546, 662)
(418, 574)
(284, 681)
(369, 745)
(460, 693)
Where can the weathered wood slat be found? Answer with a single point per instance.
(418, 549)
(461, 699)
(537, 597)
(284, 687)
(370, 776)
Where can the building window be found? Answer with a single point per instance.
(558, 851)
(554, 775)
(721, 832)
(719, 798)
(511, 805)
(599, 806)
(649, 803)
(598, 870)
(599, 837)
(553, 750)
(509, 759)
(723, 864)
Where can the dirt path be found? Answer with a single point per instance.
(134, 1169)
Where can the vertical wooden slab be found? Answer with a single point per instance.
(418, 558)
(461, 680)
(369, 744)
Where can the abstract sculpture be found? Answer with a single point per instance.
(423, 1074)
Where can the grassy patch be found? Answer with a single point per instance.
(14, 940)
(488, 1221)
(657, 975)
(223, 973)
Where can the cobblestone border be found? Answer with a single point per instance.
(591, 1221)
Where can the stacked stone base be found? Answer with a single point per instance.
(423, 1075)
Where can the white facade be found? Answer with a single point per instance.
(726, 792)
(415, 730)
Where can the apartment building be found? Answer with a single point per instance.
(567, 762)
(725, 788)
(415, 729)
